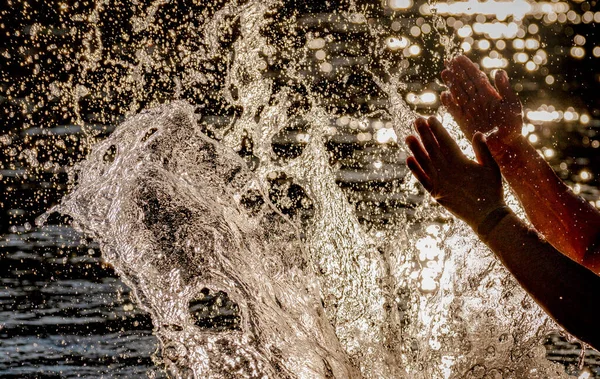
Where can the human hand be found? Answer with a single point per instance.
(476, 105)
(470, 190)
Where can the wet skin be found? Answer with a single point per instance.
(568, 222)
(454, 180)
(556, 263)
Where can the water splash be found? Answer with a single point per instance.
(165, 213)
(182, 208)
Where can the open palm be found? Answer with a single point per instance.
(476, 105)
(469, 189)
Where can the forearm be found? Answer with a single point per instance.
(567, 291)
(567, 221)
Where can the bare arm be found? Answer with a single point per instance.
(566, 290)
(567, 221)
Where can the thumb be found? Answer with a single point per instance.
(504, 88)
(482, 152)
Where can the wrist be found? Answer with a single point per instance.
(490, 221)
(506, 148)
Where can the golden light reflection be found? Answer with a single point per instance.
(414, 50)
(518, 44)
(465, 31)
(584, 119)
(585, 175)
(547, 113)
(326, 67)
(543, 115)
(425, 98)
(489, 62)
(570, 116)
(483, 44)
(400, 4)
(548, 153)
(496, 30)
(533, 29)
(577, 52)
(364, 137)
(428, 97)
(385, 135)
(527, 128)
(517, 9)
(317, 43)
(521, 57)
(579, 40)
(415, 31)
(396, 43)
(532, 44)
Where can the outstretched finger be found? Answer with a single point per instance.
(446, 142)
(416, 147)
(427, 138)
(477, 77)
(453, 107)
(418, 172)
(504, 89)
(483, 153)
(465, 71)
(455, 86)
(467, 66)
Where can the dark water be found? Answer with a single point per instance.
(65, 313)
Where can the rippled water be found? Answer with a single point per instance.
(247, 255)
(65, 314)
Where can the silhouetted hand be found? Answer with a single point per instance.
(476, 105)
(468, 189)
